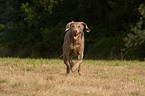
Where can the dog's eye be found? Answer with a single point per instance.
(73, 26)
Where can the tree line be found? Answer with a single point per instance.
(35, 28)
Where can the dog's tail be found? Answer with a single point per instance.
(60, 56)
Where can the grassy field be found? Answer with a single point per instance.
(46, 77)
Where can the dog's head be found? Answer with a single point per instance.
(76, 28)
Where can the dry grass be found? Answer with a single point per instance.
(46, 77)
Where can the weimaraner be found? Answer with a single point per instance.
(74, 45)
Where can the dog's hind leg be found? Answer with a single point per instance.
(79, 68)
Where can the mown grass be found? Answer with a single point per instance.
(46, 77)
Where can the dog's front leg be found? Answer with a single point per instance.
(66, 61)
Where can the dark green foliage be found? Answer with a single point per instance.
(135, 41)
(35, 28)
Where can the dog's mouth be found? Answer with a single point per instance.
(76, 36)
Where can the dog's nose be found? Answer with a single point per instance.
(75, 31)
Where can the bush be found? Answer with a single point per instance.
(135, 41)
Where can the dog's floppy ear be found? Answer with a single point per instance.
(87, 29)
(68, 26)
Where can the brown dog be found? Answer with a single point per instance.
(74, 45)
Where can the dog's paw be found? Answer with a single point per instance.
(74, 68)
(80, 73)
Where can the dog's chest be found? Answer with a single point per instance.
(76, 47)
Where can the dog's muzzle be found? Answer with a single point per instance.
(75, 34)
